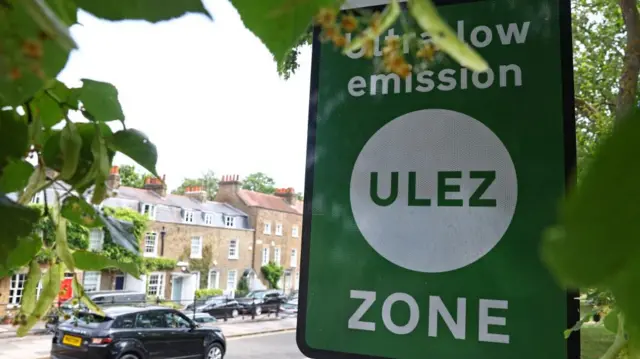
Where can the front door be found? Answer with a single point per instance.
(154, 334)
(176, 291)
(119, 282)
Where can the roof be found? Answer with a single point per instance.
(172, 207)
(269, 201)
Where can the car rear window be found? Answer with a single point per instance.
(88, 320)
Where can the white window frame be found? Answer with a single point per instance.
(149, 209)
(265, 256)
(277, 255)
(160, 285)
(294, 232)
(234, 249)
(155, 245)
(16, 284)
(208, 219)
(294, 258)
(37, 198)
(267, 227)
(198, 253)
(229, 222)
(278, 229)
(188, 216)
(216, 284)
(96, 239)
(235, 279)
(98, 275)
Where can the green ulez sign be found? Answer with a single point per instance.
(426, 197)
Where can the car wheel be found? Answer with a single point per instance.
(258, 310)
(234, 313)
(215, 351)
(129, 356)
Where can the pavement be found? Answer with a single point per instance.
(38, 346)
(280, 346)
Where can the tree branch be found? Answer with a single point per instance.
(628, 87)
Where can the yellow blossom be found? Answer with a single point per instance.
(326, 17)
(349, 23)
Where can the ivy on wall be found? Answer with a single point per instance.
(201, 265)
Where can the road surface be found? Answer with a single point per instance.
(276, 346)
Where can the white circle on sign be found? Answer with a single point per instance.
(421, 147)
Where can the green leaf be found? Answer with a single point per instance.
(16, 222)
(67, 10)
(78, 211)
(92, 261)
(599, 220)
(444, 37)
(102, 164)
(15, 176)
(121, 233)
(37, 182)
(35, 48)
(62, 246)
(100, 99)
(25, 250)
(567, 333)
(279, 23)
(137, 146)
(28, 301)
(86, 171)
(79, 292)
(50, 288)
(14, 136)
(611, 321)
(48, 109)
(70, 146)
(150, 10)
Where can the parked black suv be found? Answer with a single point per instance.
(259, 301)
(136, 333)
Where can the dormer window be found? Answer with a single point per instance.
(208, 219)
(229, 222)
(149, 210)
(37, 198)
(188, 216)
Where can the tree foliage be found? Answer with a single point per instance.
(259, 182)
(130, 177)
(208, 180)
(272, 272)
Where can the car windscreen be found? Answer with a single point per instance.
(211, 301)
(88, 320)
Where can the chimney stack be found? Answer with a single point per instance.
(196, 192)
(113, 181)
(287, 194)
(156, 185)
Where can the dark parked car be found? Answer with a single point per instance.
(260, 301)
(101, 298)
(136, 333)
(221, 307)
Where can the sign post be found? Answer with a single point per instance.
(426, 197)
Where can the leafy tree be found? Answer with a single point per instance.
(272, 272)
(259, 182)
(208, 180)
(130, 177)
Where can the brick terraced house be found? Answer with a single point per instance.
(189, 229)
(277, 220)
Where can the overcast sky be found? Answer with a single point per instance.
(206, 93)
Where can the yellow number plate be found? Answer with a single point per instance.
(71, 340)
